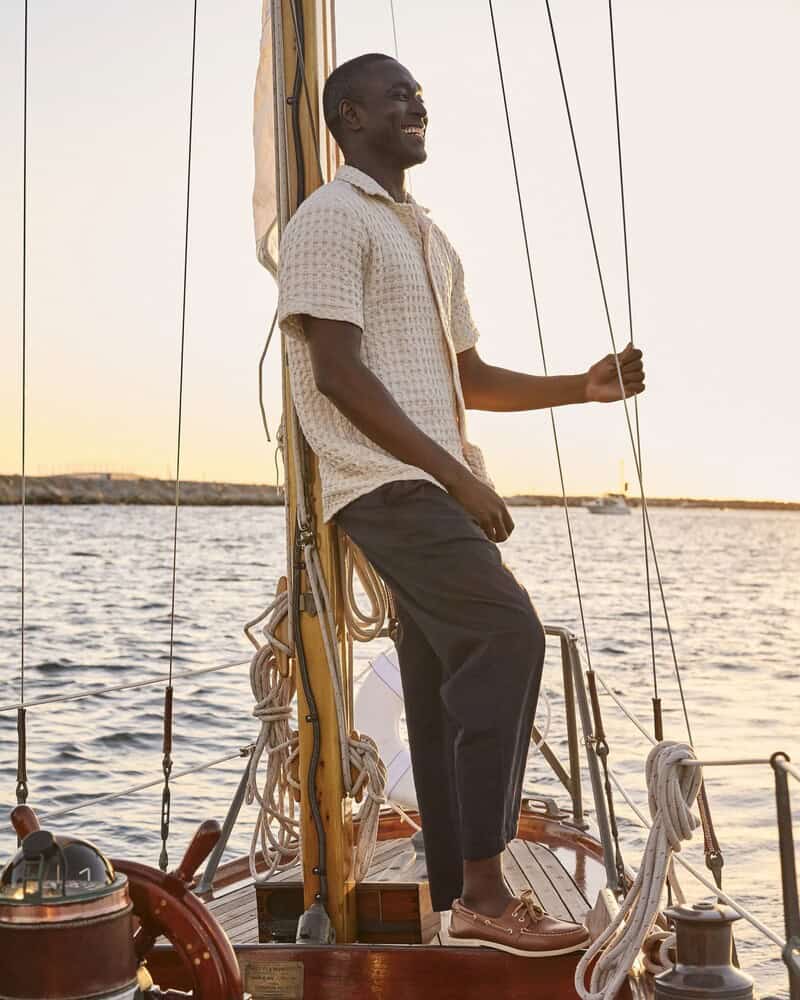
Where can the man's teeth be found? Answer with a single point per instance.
(413, 130)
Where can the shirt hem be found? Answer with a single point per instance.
(332, 504)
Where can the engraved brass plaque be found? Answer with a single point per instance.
(274, 980)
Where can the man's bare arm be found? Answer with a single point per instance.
(488, 388)
(340, 375)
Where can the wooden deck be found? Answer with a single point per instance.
(562, 865)
(527, 865)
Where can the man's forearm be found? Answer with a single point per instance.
(488, 388)
(366, 402)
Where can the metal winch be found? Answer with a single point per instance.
(704, 944)
(66, 928)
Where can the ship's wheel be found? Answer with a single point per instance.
(165, 906)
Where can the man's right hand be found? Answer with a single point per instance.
(362, 398)
(483, 504)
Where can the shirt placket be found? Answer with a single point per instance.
(426, 229)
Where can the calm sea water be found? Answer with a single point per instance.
(97, 612)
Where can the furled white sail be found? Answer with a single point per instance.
(265, 195)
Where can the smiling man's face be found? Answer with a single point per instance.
(392, 115)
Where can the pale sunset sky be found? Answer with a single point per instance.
(712, 156)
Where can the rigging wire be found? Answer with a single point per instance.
(529, 259)
(656, 700)
(22, 749)
(166, 762)
(261, 361)
(610, 325)
(394, 30)
(713, 853)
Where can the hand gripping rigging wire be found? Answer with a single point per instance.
(713, 853)
(714, 858)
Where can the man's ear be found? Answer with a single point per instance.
(350, 115)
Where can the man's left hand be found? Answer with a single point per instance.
(602, 379)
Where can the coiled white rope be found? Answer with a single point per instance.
(277, 826)
(671, 791)
(723, 897)
(356, 753)
(368, 773)
(362, 625)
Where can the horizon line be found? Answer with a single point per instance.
(631, 496)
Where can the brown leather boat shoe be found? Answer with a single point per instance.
(523, 928)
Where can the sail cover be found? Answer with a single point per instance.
(265, 195)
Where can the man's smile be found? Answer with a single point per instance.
(418, 131)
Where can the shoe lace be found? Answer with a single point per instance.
(527, 903)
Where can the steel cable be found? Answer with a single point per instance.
(22, 742)
(529, 260)
(610, 325)
(630, 329)
(166, 763)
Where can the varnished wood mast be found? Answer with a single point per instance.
(317, 149)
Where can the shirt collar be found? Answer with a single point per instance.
(358, 179)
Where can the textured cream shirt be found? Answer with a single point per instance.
(353, 254)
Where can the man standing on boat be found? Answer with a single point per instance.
(383, 364)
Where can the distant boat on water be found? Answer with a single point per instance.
(610, 503)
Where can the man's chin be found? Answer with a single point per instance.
(419, 156)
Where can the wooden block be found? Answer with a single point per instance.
(280, 906)
(388, 913)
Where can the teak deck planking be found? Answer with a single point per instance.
(527, 865)
(559, 862)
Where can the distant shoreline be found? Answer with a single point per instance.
(113, 489)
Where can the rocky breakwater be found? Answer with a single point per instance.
(111, 489)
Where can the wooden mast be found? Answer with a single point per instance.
(316, 151)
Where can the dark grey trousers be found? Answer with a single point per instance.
(471, 650)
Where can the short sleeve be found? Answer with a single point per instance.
(321, 265)
(462, 326)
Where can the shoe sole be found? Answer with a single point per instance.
(521, 952)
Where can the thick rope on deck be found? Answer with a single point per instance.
(671, 791)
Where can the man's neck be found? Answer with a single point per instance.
(391, 179)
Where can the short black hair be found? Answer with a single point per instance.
(343, 85)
